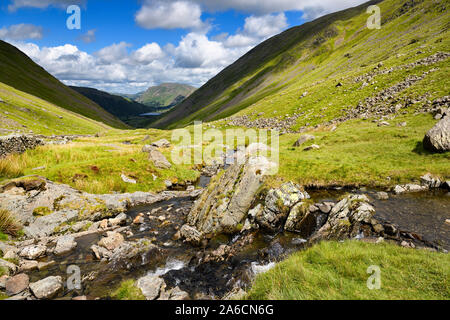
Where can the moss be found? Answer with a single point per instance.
(3, 237)
(42, 211)
(128, 291)
(3, 271)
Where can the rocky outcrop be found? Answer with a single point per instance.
(46, 208)
(278, 204)
(158, 159)
(438, 138)
(348, 218)
(18, 144)
(304, 138)
(64, 245)
(225, 204)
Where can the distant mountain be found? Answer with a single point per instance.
(18, 71)
(164, 96)
(125, 109)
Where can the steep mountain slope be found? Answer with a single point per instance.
(20, 72)
(165, 95)
(300, 68)
(126, 110)
(21, 112)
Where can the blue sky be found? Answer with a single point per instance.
(127, 46)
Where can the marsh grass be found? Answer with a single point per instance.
(8, 224)
(335, 271)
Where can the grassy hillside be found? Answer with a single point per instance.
(25, 113)
(20, 72)
(165, 95)
(95, 164)
(337, 271)
(126, 110)
(313, 58)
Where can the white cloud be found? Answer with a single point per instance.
(311, 8)
(21, 32)
(169, 15)
(114, 53)
(148, 53)
(42, 4)
(257, 29)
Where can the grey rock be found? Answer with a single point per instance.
(346, 218)
(27, 265)
(226, 202)
(163, 143)
(147, 148)
(120, 220)
(33, 252)
(191, 234)
(150, 286)
(47, 288)
(303, 221)
(303, 139)
(159, 159)
(64, 245)
(382, 195)
(430, 181)
(312, 147)
(112, 240)
(438, 138)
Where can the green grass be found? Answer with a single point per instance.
(26, 113)
(128, 291)
(335, 271)
(361, 153)
(95, 165)
(3, 237)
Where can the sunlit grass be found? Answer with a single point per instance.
(335, 271)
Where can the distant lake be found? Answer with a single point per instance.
(150, 114)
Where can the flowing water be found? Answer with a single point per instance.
(181, 264)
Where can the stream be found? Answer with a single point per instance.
(183, 265)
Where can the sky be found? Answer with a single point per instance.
(126, 46)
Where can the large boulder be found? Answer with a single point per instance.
(438, 138)
(347, 219)
(303, 139)
(17, 284)
(33, 252)
(159, 159)
(226, 202)
(150, 286)
(47, 288)
(64, 245)
(278, 204)
(163, 143)
(112, 240)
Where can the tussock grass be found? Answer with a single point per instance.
(335, 271)
(95, 165)
(8, 224)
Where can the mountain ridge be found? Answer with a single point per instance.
(22, 73)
